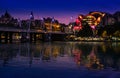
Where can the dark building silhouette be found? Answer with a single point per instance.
(6, 19)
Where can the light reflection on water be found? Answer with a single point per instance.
(88, 55)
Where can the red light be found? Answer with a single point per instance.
(77, 21)
(77, 28)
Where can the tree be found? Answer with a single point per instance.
(86, 30)
(104, 34)
(117, 34)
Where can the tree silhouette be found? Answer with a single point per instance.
(86, 30)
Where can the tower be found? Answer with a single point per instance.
(52, 22)
(31, 16)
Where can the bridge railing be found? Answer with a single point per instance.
(9, 29)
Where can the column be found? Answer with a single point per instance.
(10, 37)
(31, 35)
(6, 37)
(0, 37)
(34, 37)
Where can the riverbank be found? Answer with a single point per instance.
(94, 39)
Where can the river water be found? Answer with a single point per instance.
(58, 56)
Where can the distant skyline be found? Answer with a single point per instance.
(61, 10)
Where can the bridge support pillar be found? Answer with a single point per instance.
(47, 37)
(0, 37)
(31, 35)
(34, 37)
(10, 37)
(23, 37)
(6, 37)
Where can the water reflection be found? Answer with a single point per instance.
(94, 55)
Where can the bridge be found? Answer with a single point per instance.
(11, 34)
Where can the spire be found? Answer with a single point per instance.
(31, 16)
(53, 20)
(7, 15)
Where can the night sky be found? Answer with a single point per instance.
(59, 9)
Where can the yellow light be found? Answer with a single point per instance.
(103, 15)
(80, 17)
(98, 19)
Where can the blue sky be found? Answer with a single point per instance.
(60, 9)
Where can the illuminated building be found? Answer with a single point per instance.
(94, 18)
(32, 21)
(90, 19)
(55, 25)
(31, 16)
(78, 23)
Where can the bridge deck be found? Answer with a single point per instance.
(9, 29)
